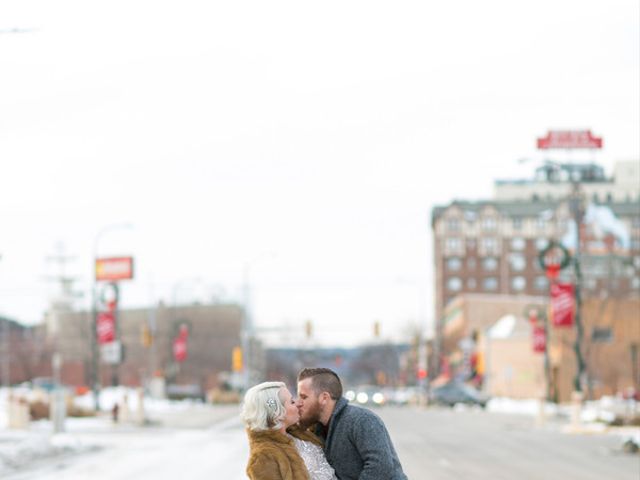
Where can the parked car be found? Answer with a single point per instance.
(458, 392)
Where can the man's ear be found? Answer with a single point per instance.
(324, 398)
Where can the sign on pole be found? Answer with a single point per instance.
(114, 268)
(562, 304)
(180, 345)
(111, 353)
(106, 327)
(539, 339)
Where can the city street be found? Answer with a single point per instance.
(432, 444)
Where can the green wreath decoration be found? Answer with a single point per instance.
(566, 256)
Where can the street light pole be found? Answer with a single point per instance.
(95, 380)
(577, 211)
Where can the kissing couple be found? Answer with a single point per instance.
(316, 436)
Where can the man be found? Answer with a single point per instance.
(356, 442)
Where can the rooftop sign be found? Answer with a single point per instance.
(561, 139)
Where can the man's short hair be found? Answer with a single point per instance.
(323, 380)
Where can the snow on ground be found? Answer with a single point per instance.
(22, 447)
(30, 446)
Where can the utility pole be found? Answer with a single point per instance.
(63, 302)
(6, 367)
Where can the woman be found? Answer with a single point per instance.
(279, 450)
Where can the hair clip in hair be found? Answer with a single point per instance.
(271, 402)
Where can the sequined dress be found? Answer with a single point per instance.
(314, 459)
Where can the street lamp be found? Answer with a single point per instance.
(94, 334)
(576, 207)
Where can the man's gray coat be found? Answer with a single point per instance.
(358, 446)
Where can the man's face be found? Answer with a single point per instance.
(308, 403)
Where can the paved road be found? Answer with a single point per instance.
(444, 444)
(432, 444)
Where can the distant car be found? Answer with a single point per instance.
(367, 395)
(458, 392)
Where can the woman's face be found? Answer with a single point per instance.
(291, 416)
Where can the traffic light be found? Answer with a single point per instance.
(236, 359)
(147, 336)
(308, 328)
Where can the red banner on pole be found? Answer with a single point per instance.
(106, 327)
(539, 339)
(562, 304)
(180, 345)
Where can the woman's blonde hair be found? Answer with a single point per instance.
(263, 409)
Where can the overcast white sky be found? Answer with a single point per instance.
(309, 140)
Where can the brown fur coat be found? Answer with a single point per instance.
(273, 456)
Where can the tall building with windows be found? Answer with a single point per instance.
(492, 246)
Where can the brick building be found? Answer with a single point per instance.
(491, 248)
(611, 345)
(213, 332)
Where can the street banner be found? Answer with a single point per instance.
(180, 345)
(539, 339)
(562, 304)
(106, 327)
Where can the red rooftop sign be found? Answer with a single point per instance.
(561, 139)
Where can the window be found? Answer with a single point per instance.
(635, 283)
(517, 261)
(518, 283)
(453, 245)
(590, 283)
(517, 223)
(541, 283)
(518, 243)
(454, 284)
(489, 224)
(490, 284)
(489, 264)
(541, 243)
(601, 334)
(541, 223)
(454, 264)
(453, 225)
(563, 226)
(490, 245)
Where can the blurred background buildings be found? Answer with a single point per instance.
(487, 268)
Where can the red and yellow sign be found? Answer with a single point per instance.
(114, 268)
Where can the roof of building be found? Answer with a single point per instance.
(521, 208)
